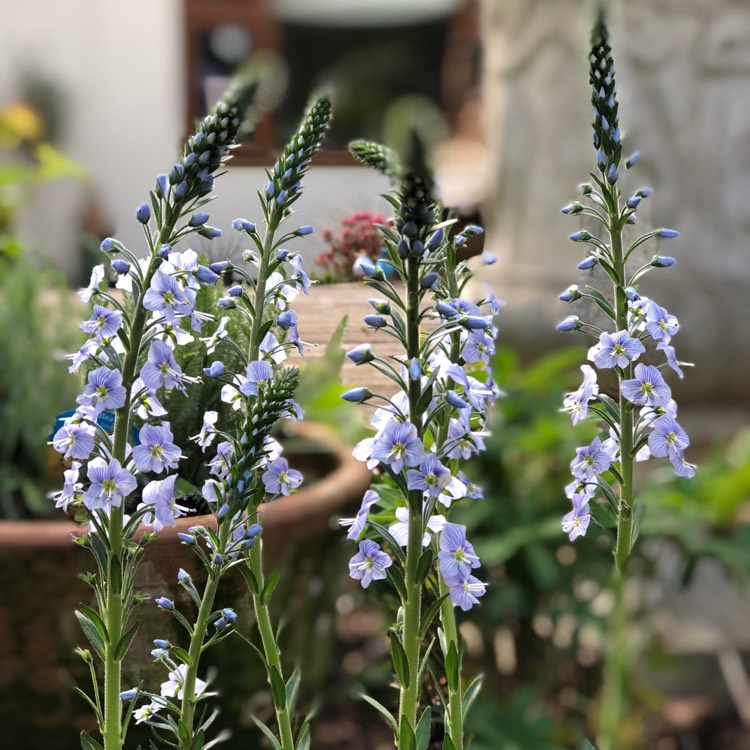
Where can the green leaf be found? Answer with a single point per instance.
(452, 668)
(471, 693)
(603, 515)
(429, 615)
(406, 738)
(423, 730)
(602, 301)
(425, 662)
(182, 731)
(400, 662)
(303, 738)
(198, 740)
(124, 643)
(291, 689)
(182, 655)
(250, 579)
(96, 620)
(278, 689)
(424, 566)
(271, 736)
(93, 635)
(587, 745)
(612, 501)
(448, 743)
(273, 579)
(639, 510)
(89, 743)
(383, 710)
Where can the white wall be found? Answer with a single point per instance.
(120, 65)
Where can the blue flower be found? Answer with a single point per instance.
(431, 476)
(577, 521)
(258, 374)
(104, 390)
(161, 369)
(103, 323)
(369, 564)
(397, 445)
(590, 461)
(161, 495)
(357, 524)
(156, 451)
(457, 557)
(667, 438)
(110, 483)
(464, 590)
(280, 479)
(648, 388)
(615, 350)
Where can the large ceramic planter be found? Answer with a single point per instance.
(40, 588)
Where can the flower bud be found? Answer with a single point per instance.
(446, 310)
(305, 229)
(633, 201)
(216, 370)
(282, 255)
(122, 267)
(410, 229)
(403, 248)
(198, 220)
(572, 208)
(287, 319)
(380, 306)
(474, 323)
(360, 354)
(435, 239)
(235, 291)
(668, 233)
(162, 185)
(161, 643)
(187, 538)
(164, 251)
(632, 294)
(662, 261)
(581, 236)
(164, 603)
(227, 303)
(632, 159)
(128, 695)
(375, 321)
(206, 276)
(587, 264)
(253, 530)
(220, 266)
(571, 323)
(143, 214)
(571, 294)
(357, 395)
(612, 173)
(415, 369)
(455, 400)
(210, 233)
(417, 248)
(242, 225)
(217, 559)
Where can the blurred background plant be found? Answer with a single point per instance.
(36, 327)
(357, 238)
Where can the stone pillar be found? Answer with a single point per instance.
(683, 72)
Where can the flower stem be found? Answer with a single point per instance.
(409, 693)
(455, 712)
(115, 609)
(270, 647)
(615, 660)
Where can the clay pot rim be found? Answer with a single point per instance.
(325, 496)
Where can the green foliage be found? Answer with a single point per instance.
(37, 328)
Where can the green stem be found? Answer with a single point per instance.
(455, 712)
(270, 647)
(615, 664)
(409, 693)
(260, 289)
(115, 606)
(625, 511)
(615, 658)
(187, 709)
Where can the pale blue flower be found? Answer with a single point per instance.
(104, 390)
(156, 451)
(615, 350)
(103, 323)
(456, 555)
(648, 388)
(357, 524)
(110, 484)
(369, 564)
(280, 479)
(465, 590)
(577, 521)
(398, 444)
(161, 495)
(161, 369)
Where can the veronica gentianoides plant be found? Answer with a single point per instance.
(436, 419)
(641, 419)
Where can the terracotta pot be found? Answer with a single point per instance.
(40, 588)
